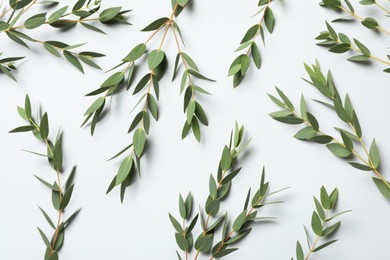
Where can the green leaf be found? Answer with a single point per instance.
(240, 221)
(383, 187)
(47, 218)
(316, 224)
(374, 155)
(340, 48)
(359, 58)
(299, 251)
(176, 224)
(204, 243)
(313, 121)
(20, 129)
(196, 129)
(156, 24)
(35, 21)
(256, 55)
(57, 155)
(330, 230)
(139, 139)
(182, 207)
(269, 19)
(44, 127)
(338, 150)
(324, 245)
(182, 3)
(52, 187)
(226, 159)
(57, 14)
(325, 200)
(190, 111)
(66, 198)
(306, 133)
(109, 14)
(363, 48)
(113, 80)
(155, 58)
(124, 170)
(95, 106)
(73, 60)
(182, 242)
(238, 237)
(136, 53)
(370, 23)
(360, 166)
(224, 252)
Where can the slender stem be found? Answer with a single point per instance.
(318, 237)
(382, 7)
(380, 28)
(259, 27)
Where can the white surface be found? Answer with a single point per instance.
(140, 229)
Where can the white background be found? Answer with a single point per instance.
(140, 228)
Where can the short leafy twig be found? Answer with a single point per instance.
(156, 61)
(219, 187)
(340, 43)
(84, 11)
(344, 148)
(61, 193)
(241, 64)
(368, 22)
(7, 65)
(321, 224)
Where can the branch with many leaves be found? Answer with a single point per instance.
(351, 141)
(367, 22)
(219, 187)
(156, 62)
(241, 64)
(321, 224)
(61, 194)
(340, 43)
(83, 12)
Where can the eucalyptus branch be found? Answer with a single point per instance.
(156, 61)
(219, 187)
(8, 64)
(344, 148)
(61, 194)
(241, 64)
(83, 12)
(340, 43)
(320, 224)
(368, 22)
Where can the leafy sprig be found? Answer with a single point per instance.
(219, 187)
(341, 43)
(351, 140)
(368, 22)
(7, 65)
(241, 64)
(156, 62)
(321, 224)
(61, 193)
(83, 12)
